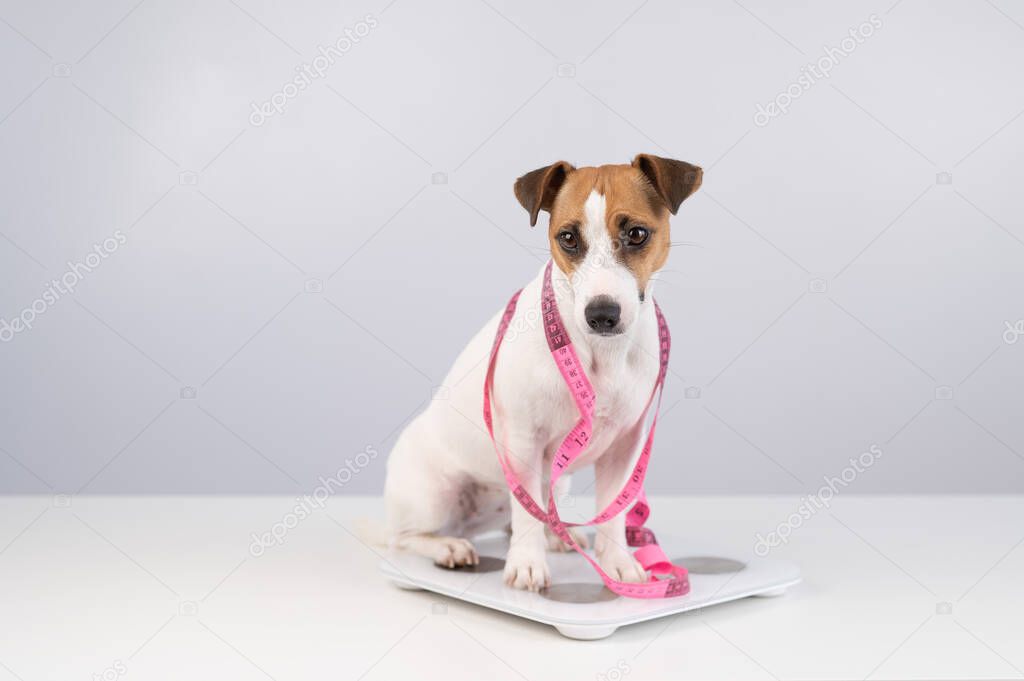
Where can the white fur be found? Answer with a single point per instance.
(444, 480)
(601, 273)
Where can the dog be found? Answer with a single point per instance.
(609, 234)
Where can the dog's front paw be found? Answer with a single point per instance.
(555, 543)
(620, 564)
(526, 568)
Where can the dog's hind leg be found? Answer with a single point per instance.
(420, 503)
(447, 552)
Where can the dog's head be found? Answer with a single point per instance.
(609, 230)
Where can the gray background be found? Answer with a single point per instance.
(837, 278)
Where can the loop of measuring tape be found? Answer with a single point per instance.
(674, 579)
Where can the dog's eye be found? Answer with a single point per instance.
(568, 241)
(636, 236)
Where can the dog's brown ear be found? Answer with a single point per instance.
(537, 189)
(673, 180)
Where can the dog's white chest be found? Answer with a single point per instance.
(622, 390)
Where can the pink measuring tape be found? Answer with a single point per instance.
(667, 579)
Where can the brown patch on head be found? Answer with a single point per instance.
(637, 197)
(536, 189)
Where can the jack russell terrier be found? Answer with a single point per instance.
(608, 233)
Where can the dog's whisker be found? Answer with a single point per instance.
(661, 279)
(694, 244)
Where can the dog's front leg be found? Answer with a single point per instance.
(526, 566)
(610, 471)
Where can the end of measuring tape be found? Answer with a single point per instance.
(653, 559)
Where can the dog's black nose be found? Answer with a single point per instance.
(602, 314)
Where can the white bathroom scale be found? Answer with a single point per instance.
(577, 604)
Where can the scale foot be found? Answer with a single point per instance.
(585, 632)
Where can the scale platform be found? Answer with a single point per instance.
(577, 604)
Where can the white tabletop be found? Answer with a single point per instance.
(168, 588)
